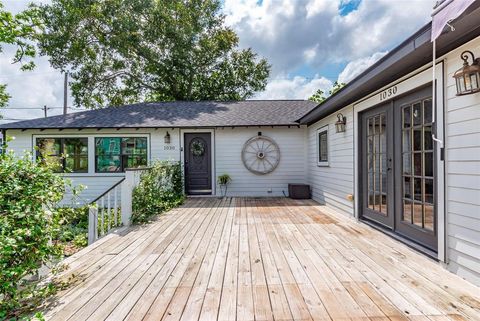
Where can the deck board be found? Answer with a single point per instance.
(260, 259)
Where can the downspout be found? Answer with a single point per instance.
(434, 95)
(440, 143)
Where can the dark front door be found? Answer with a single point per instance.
(377, 162)
(415, 186)
(397, 167)
(198, 163)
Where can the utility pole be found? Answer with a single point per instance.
(45, 110)
(65, 88)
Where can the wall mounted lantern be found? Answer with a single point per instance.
(467, 78)
(167, 138)
(341, 123)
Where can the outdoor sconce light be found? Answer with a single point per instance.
(341, 123)
(167, 138)
(467, 78)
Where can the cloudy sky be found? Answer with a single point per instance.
(310, 44)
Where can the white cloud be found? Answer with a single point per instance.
(309, 54)
(356, 67)
(31, 89)
(295, 88)
(292, 34)
(283, 34)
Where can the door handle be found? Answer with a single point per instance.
(389, 167)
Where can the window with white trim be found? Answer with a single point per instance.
(69, 155)
(322, 146)
(114, 154)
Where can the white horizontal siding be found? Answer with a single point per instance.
(291, 169)
(97, 183)
(228, 146)
(20, 142)
(332, 184)
(463, 173)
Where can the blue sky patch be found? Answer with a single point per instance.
(348, 6)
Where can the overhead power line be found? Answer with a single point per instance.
(15, 119)
(30, 108)
(27, 74)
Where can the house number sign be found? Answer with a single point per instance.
(387, 93)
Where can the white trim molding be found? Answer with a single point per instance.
(394, 90)
(184, 131)
(319, 131)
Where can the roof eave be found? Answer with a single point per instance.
(407, 53)
(153, 127)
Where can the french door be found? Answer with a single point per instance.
(398, 167)
(377, 162)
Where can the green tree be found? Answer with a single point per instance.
(319, 95)
(123, 51)
(336, 87)
(19, 30)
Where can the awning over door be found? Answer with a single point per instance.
(446, 12)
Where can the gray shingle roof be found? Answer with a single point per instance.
(178, 114)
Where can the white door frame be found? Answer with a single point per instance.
(391, 91)
(211, 131)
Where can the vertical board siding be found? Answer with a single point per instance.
(463, 172)
(331, 184)
(291, 169)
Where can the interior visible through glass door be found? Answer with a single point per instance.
(377, 165)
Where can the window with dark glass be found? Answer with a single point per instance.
(323, 146)
(68, 155)
(114, 154)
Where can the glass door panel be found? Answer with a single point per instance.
(417, 147)
(415, 187)
(376, 160)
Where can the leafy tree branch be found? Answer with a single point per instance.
(120, 51)
(19, 30)
(319, 95)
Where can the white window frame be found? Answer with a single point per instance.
(91, 150)
(116, 136)
(320, 131)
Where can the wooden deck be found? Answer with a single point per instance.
(258, 259)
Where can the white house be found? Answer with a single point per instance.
(407, 161)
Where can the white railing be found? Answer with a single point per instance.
(113, 208)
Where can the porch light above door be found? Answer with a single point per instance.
(166, 139)
(467, 78)
(341, 123)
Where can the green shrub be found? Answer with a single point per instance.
(28, 194)
(71, 228)
(160, 189)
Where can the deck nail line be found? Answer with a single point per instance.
(135, 244)
(152, 242)
(127, 266)
(215, 257)
(210, 215)
(218, 209)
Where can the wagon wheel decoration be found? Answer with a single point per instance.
(261, 155)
